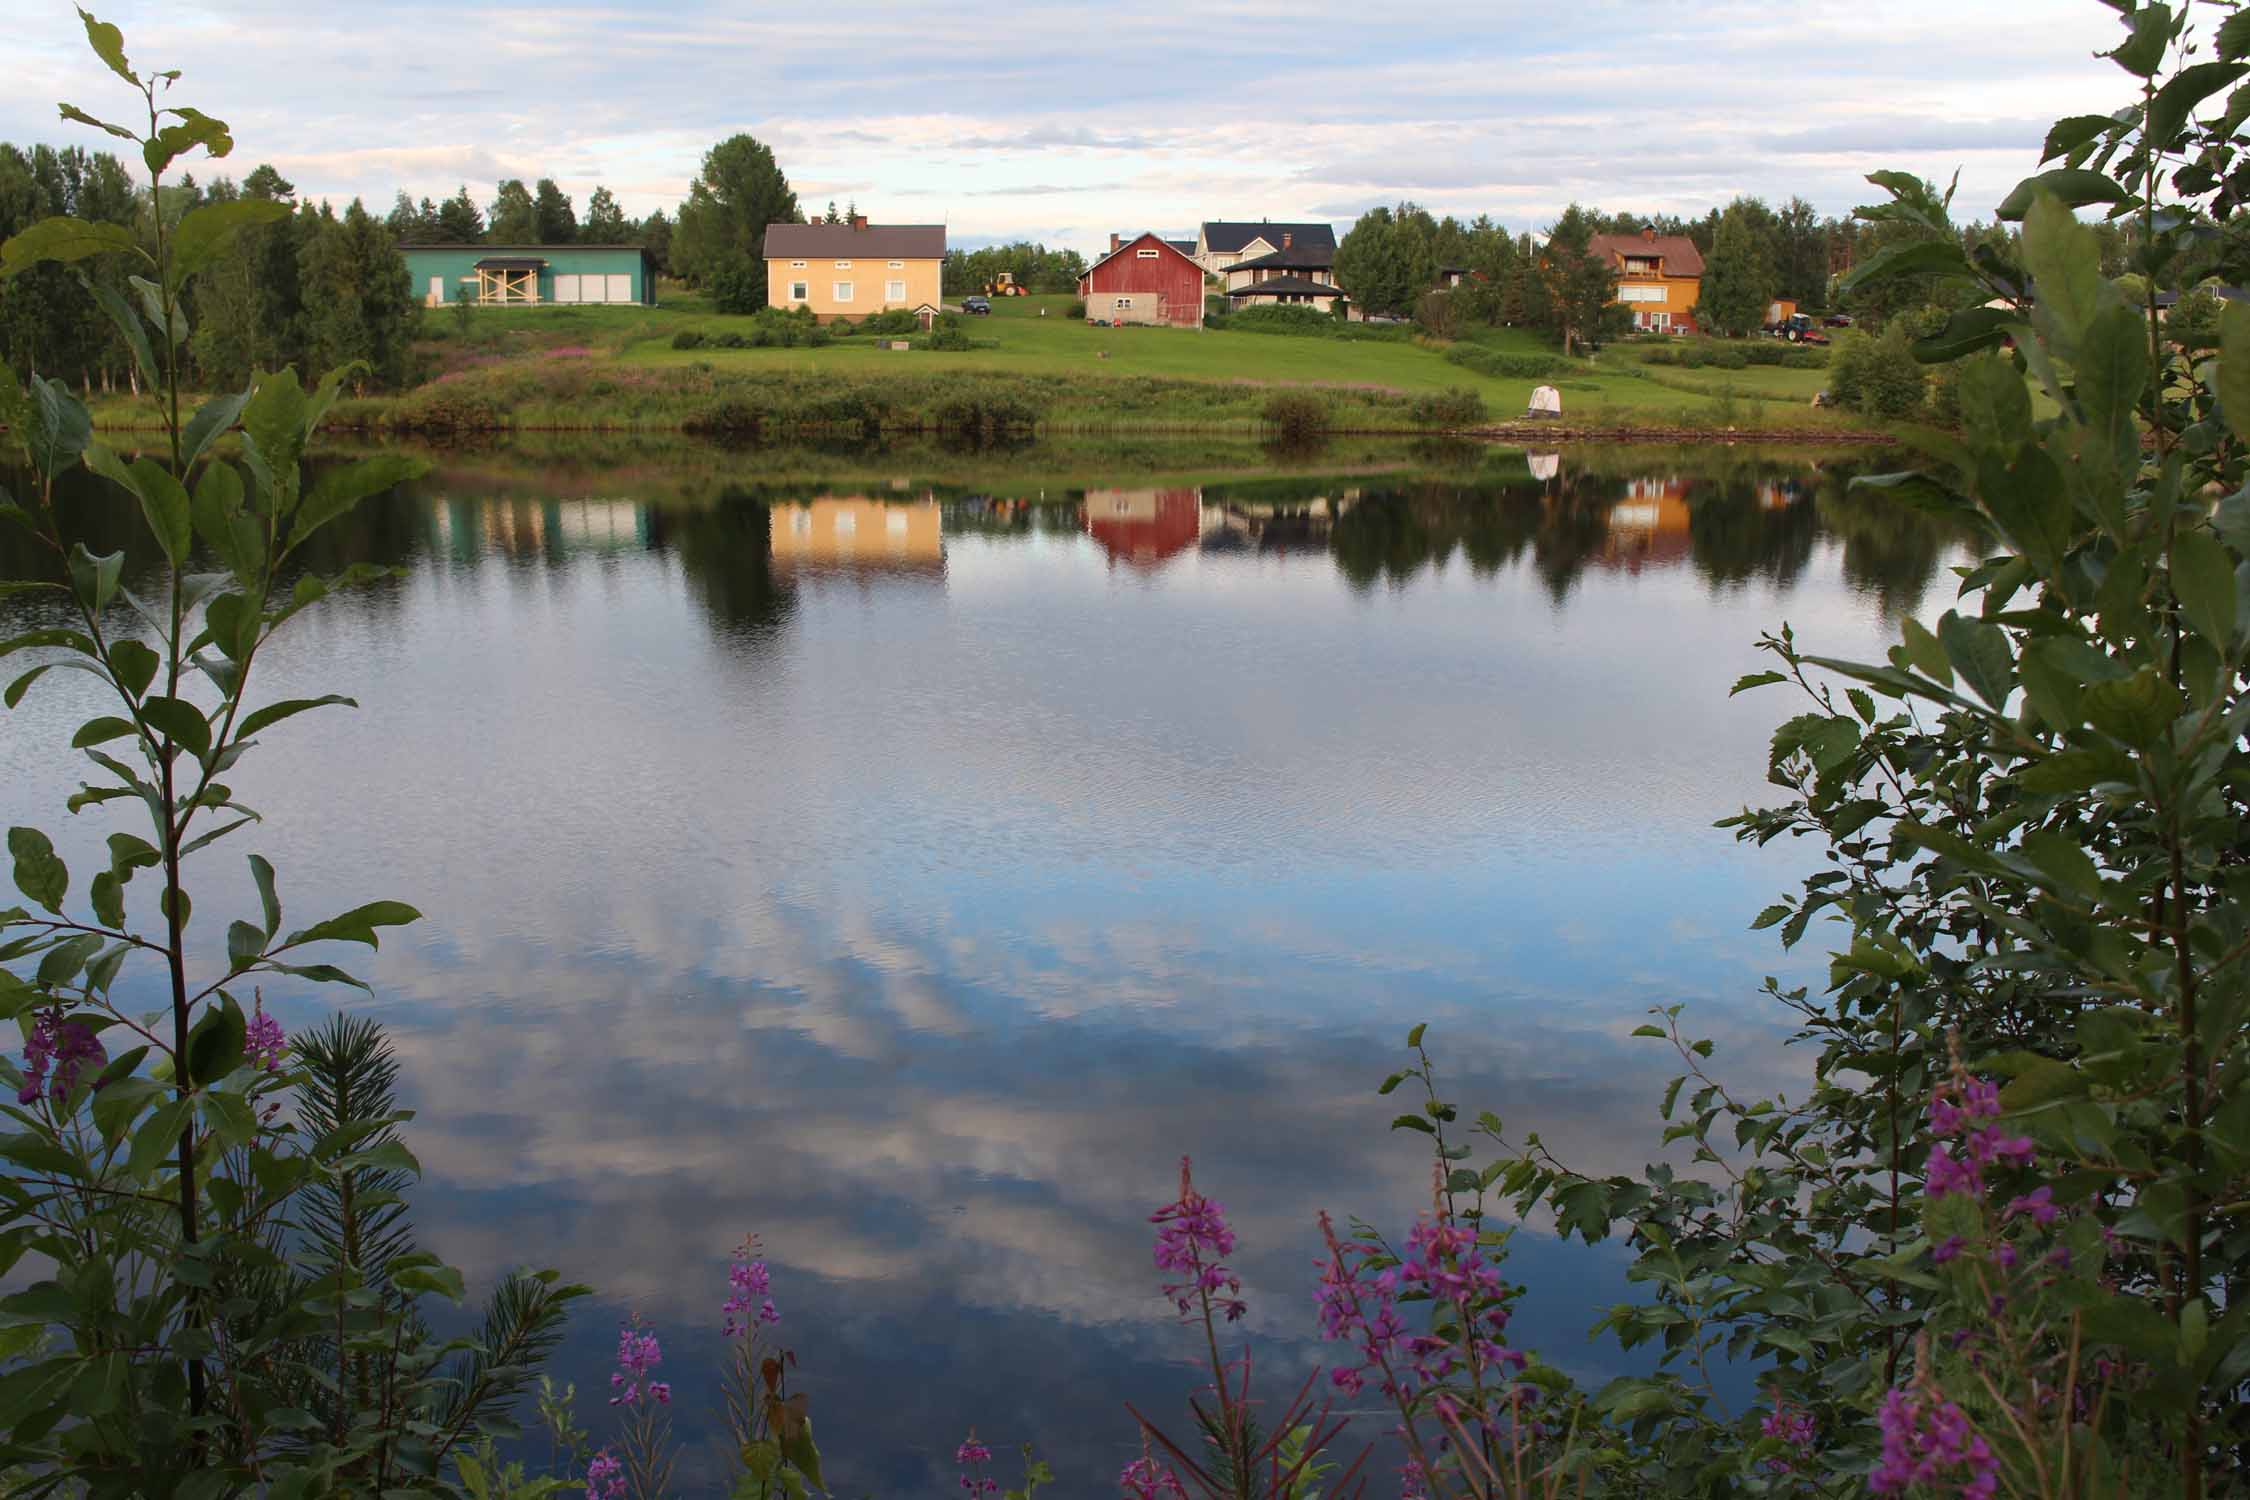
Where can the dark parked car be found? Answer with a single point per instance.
(1838, 320)
(976, 304)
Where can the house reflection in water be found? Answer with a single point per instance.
(1649, 526)
(1143, 528)
(857, 535)
(531, 528)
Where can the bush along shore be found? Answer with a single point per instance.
(705, 397)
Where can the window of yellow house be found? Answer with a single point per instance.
(797, 291)
(843, 265)
(796, 265)
(842, 291)
(894, 291)
(898, 265)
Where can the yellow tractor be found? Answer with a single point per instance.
(1004, 285)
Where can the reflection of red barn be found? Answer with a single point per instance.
(1143, 527)
(1143, 280)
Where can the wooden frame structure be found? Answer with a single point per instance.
(503, 283)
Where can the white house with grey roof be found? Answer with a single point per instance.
(1222, 243)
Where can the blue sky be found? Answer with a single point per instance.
(1062, 122)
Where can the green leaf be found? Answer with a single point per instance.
(212, 418)
(2065, 264)
(336, 491)
(269, 901)
(101, 731)
(2142, 52)
(95, 578)
(1966, 332)
(40, 874)
(2063, 862)
(2234, 366)
(2068, 134)
(274, 713)
(244, 943)
(135, 664)
(180, 721)
(1918, 258)
(444, 1281)
(1979, 652)
(2203, 579)
(163, 501)
(236, 539)
(358, 925)
(159, 1137)
(215, 1045)
(2028, 502)
(1414, 1033)
(174, 141)
(1923, 650)
(204, 232)
(274, 424)
(128, 324)
(2181, 93)
(109, 45)
(2233, 39)
(22, 685)
(1750, 680)
(2136, 710)
(108, 895)
(63, 239)
(2075, 186)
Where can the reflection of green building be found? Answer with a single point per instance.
(531, 275)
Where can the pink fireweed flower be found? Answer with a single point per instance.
(747, 1283)
(264, 1042)
(637, 1354)
(1928, 1441)
(605, 1477)
(1946, 1174)
(1792, 1425)
(1359, 1308)
(1146, 1479)
(1191, 1236)
(64, 1046)
(2039, 1203)
(1947, 1248)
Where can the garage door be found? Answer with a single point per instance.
(566, 289)
(620, 288)
(591, 289)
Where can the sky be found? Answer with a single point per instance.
(1062, 123)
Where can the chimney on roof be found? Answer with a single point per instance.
(1650, 232)
(1287, 239)
(859, 221)
(1113, 243)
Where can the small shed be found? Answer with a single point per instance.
(1546, 401)
(1143, 280)
(531, 275)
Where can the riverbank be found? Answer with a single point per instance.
(1031, 368)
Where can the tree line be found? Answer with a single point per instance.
(311, 291)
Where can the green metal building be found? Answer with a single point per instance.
(531, 275)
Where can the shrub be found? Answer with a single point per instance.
(687, 338)
(1077, 308)
(949, 335)
(1878, 376)
(738, 285)
(1438, 314)
(1501, 365)
(729, 340)
(1456, 406)
(892, 322)
(984, 415)
(1297, 415)
(841, 329)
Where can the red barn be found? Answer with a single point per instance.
(1143, 280)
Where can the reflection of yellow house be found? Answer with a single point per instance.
(858, 533)
(1649, 526)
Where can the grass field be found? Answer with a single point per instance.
(615, 369)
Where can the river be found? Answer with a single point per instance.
(909, 857)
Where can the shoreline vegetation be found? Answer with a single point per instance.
(1030, 368)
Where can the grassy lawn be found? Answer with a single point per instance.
(614, 368)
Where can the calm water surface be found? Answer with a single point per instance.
(912, 872)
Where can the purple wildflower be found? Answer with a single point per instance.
(1794, 1427)
(747, 1283)
(1946, 1174)
(1146, 1479)
(970, 1457)
(637, 1354)
(264, 1042)
(2039, 1203)
(63, 1045)
(605, 1477)
(1192, 1227)
(1927, 1441)
(1949, 1247)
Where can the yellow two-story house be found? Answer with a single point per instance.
(851, 269)
(1659, 277)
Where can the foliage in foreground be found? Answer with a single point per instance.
(232, 1296)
